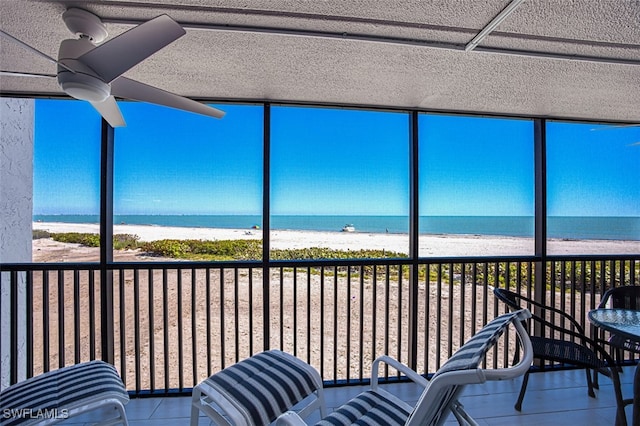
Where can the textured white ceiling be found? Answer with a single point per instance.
(384, 53)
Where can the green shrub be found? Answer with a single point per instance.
(125, 242)
(206, 250)
(167, 248)
(120, 241)
(40, 233)
(90, 240)
(327, 253)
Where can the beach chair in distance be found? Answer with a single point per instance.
(566, 343)
(256, 390)
(62, 394)
(441, 393)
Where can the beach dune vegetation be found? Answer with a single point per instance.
(586, 275)
(205, 249)
(214, 249)
(120, 241)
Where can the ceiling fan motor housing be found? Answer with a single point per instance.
(82, 84)
(84, 23)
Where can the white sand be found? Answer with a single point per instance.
(430, 245)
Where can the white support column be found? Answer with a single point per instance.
(16, 212)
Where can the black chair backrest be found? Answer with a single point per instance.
(625, 297)
(548, 316)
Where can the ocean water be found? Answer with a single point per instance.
(605, 228)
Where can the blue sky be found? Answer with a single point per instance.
(327, 161)
(476, 166)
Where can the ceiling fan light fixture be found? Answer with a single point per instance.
(84, 87)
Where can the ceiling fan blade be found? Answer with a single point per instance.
(110, 111)
(26, 46)
(32, 49)
(25, 74)
(131, 89)
(116, 56)
(613, 126)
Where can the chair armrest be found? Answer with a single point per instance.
(527, 355)
(290, 418)
(410, 373)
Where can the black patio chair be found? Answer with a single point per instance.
(625, 297)
(563, 340)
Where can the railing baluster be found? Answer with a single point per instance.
(76, 315)
(13, 327)
(251, 335)
(61, 337)
(348, 323)
(374, 311)
(165, 324)
(361, 320)
(308, 314)
(222, 323)
(123, 326)
(399, 318)
(335, 323)
(462, 310)
(496, 283)
(322, 319)
(137, 326)
(30, 323)
(179, 272)
(295, 311)
(92, 314)
(427, 316)
(152, 332)
(208, 307)
(281, 303)
(236, 316)
(194, 336)
(438, 315)
(45, 322)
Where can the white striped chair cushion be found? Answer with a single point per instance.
(265, 385)
(471, 354)
(67, 388)
(368, 408)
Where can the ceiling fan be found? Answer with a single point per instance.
(618, 126)
(94, 73)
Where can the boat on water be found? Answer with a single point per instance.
(348, 228)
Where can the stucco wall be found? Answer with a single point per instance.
(16, 206)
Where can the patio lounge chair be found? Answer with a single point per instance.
(440, 394)
(567, 344)
(64, 393)
(258, 389)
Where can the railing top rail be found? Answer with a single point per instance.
(600, 257)
(186, 264)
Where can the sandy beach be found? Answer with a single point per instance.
(430, 245)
